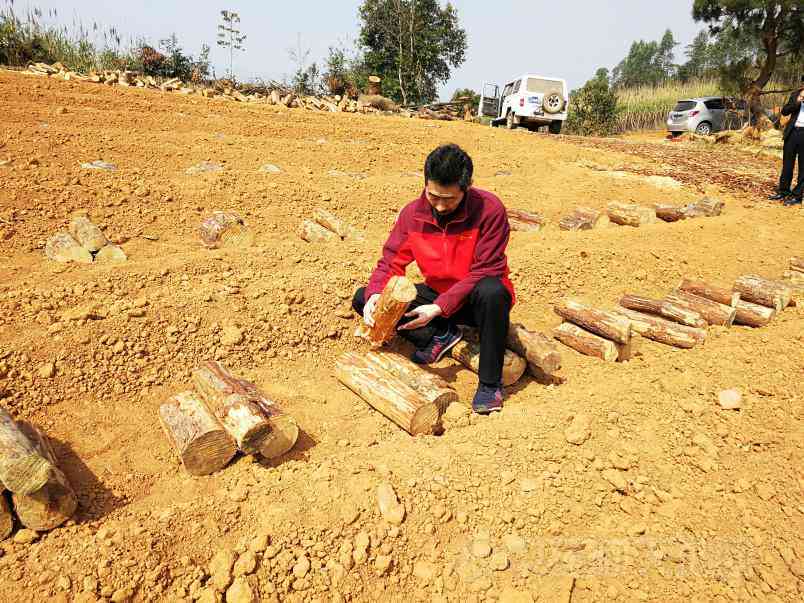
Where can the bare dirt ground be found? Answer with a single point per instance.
(709, 505)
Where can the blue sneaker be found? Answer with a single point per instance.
(438, 346)
(790, 201)
(488, 399)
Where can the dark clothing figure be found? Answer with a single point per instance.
(793, 149)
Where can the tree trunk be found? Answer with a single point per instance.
(664, 309)
(428, 385)
(525, 221)
(87, 234)
(664, 331)
(541, 353)
(753, 315)
(794, 278)
(467, 352)
(55, 502)
(797, 263)
(626, 214)
(200, 440)
(585, 342)
(389, 394)
(315, 233)
(23, 469)
(227, 230)
(284, 429)
(238, 414)
(584, 218)
(393, 303)
(599, 322)
(706, 207)
(721, 295)
(6, 518)
(336, 225)
(712, 312)
(670, 213)
(758, 290)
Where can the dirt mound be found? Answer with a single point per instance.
(666, 495)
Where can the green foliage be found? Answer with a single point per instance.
(474, 97)
(345, 71)
(412, 45)
(230, 36)
(647, 63)
(593, 108)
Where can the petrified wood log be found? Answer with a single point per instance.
(389, 394)
(225, 230)
(585, 342)
(467, 352)
(429, 385)
(664, 331)
(627, 214)
(538, 349)
(712, 312)
(23, 469)
(722, 295)
(670, 213)
(600, 322)
(753, 315)
(584, 218)
(663, 308)
(55, 502)
(62, 247)
(336, 225)
(87, 234)
(525, 221)
(797, 263)
(315, 233)
(393, 303)
(706, 207)
(200, 440)
(758, 290)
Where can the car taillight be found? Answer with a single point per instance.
(694, 113)
(522, 102)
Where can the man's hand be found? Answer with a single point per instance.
(368, 309)
(423, 315)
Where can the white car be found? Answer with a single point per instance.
(531, 101)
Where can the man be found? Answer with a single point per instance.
(793, 147)
(457, 235)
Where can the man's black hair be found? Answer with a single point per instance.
(449, 164)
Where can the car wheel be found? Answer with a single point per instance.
(510, 120)
(555, 127)
(553, 102)
(704, 128)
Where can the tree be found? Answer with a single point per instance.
(229, 36)
(698, 57)
(664, 55)
(593, 108)
(468, 95)
(776, 28)
(412, 45)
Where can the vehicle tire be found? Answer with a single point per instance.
(553, 102)
(704, 128)
(555, 127)
(511, 120)
(676, 134)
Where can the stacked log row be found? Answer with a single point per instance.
(584, 218)
(664, 331)
(627, 214)
(758, 290)
(467, 352)
(665, 309)
(712, 312)
(394, 301)
(542, 355)
(525, 221)
(600, 324)
(722, 295)
(389, 392)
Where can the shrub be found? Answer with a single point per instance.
(593, 109)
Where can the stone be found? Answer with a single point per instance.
(47, 370)
(208, 595)
(232, 335)
(25, 536)
(528, 484)
(514, 544)
(424, 571)
(301, 567)
(259, 543)
(579, 430)
(88, 235)
(730, 399)
(240, 592)
(481, 548)
(121, 595)
(270, 168)
(99, 165)
(204, 167)
(499, 561)
(111, 254)
(63, 248)
(390, 508)
(636, 529)
(616, 479)
(383, 564)
(220, 568)
(245, 564)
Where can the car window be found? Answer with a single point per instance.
(537, 84)
(685, 106)
(516, 86)
(507, 89)
(715, 104)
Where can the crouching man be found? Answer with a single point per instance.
(457, 235)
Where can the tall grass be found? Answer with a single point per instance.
(646, 107)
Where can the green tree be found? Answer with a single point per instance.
(664, 55)
(774, 27)
(229, 36)
(593, 108)
(468, 95)
(698, 54)
(412, 45)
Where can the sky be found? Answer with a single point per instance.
(506, 37)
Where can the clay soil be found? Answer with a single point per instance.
(670, 498)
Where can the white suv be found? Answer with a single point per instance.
(530, 100)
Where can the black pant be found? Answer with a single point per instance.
(793, 147)
(488, 308)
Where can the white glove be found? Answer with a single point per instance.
(368, 309)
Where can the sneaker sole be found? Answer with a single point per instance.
(448, 348)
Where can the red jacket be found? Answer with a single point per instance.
(452, 259)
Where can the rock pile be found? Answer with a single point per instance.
(84, 243)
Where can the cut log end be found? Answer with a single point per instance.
(283, 437)
(427, 420)
(394, 300)
(28, 474)
(585, 342)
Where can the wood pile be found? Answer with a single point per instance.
(467, 352)
(41, 495)
(225, 414)
(594, 332)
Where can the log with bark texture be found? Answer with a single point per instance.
(87, 234)
(538, 349)
(389, 395)
(585, 342)
(664, 331)
(393, 303)
(722, 295)
(670, 213)
(758, 290)
(225, 229)
(627, 214)
(753, 315)
(467, 352)
(429, 385)
(706, 207)
(574, 222)
(284, 429)
(6, 518)
(599, 322)
(315, 233)
(200, 440)
(521, 220)
(62, 247)
(238, 414)
(336, 225)
(712, 312)
(797, 263)
(23, 469)
(55, 502)
(665, 309)
(794, 278)
(584, 218)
